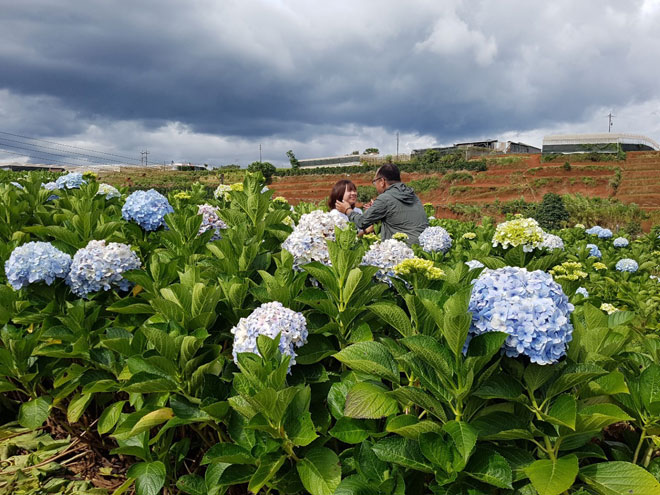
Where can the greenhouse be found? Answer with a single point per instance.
(600, 143)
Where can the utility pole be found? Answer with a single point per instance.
(144, 158)
(609, 120)
(397, 145)
(259, 152)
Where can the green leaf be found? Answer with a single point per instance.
(464, 437)
(109, 417)
(404, 452)
(574, 375)
(319, 471)
(619, 478)
(501, 425)
(536, 375)
(77, 407)
(356, 485)
(431, 351)
(154, 418)
(409, 426)
(368, 400)
(149, 477)
(372, 358)
(421, 399)
(649, 385)
(394, 316)
(437, 449)
(552, 477)
(317, 348)
(269, 464)
(229, 453)
(192, 484)
(298, 420)
(349, 430)
(34, 413)
(563, 411)
(598, 416)
(499, 387)
(490, 467)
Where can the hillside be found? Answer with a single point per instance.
(514, 177)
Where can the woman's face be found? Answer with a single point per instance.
(350, 196)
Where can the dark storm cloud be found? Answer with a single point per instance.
(256, 69)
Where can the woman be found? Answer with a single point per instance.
(343, 190)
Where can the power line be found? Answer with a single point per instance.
(57, 162)
(86, 156)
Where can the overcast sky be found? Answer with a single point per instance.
(208, 81)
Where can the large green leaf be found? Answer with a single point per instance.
(598, 416)
(319, 471)
(464, 437)
(149, 477)
(563, 411)
(490, 467)
(34, 413)
(268, 466)
(368, 400)
(229, 453)
(77, 407)
(649, 387)
(404, 452)
(372, 358)
(552, 477)
(317, 348)
(394, 316)
(109, 417)
(619, 478)
(350, 430)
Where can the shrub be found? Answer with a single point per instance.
(267, 169)
(551, 213)
(366, 193)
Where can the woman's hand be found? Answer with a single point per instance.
(342, 206)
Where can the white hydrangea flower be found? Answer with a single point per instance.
(386, 255)
(307, 241)
(520, 231)
(551, 241)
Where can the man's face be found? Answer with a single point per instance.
(380, 184)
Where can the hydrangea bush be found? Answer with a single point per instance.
(386, 255)
(100, 266)
(210, 220)
(71, 180)
(529, 306)
(594, 251)
(435, 239)
(627, 265)
(524, 232)
(271, 319)
(307, 241)
(36, 262)
(620, 242)
(147, 209)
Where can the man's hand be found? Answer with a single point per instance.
(342, 206)
(368, 205)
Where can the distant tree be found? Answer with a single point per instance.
(551, 213)
(267, 169)
(371, 151)
(356, 152)
(295, 164)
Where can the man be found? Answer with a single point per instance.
(397, 207)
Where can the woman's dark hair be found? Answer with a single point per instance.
(389, 172)
(338, 191)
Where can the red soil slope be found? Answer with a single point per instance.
(513, 177)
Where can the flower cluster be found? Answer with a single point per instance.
(222, 192)
(414, 266)
(89, 175)
(519, 232)
(599, 266)
(386, 255)
(435, 239)
(627, 265)
(469, 236)
(594, 251)
(307, 241)
(72, 180)
(569, 270)
(98, 266)
(49, 186)
(371, 238)
(147, 209)
(182, 195)
(108, 191)
(601, 232)
(474, 264)
(529, 306)
(35, 262)
(551, 241)
(210, 220)
(608, 308)
(620, 242)
(238, 186)
(18, 185)
(270, 319)
(583, 291)
(579, 226)
(400, 236)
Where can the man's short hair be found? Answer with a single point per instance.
(389, 172)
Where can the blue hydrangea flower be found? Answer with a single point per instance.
(474, 264)
(147, 209)
(100, 267)
(435, 239)
(50, 186)
(270, 319)
(71, 180)
(210, 220)
(627, 265)
(604, 234)
(386, 255)
(529, 306)
(583, 291)
(594, 251)
(595, 230)
(18, 185)
(36, 262)
(620, 242)
(108, 191)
